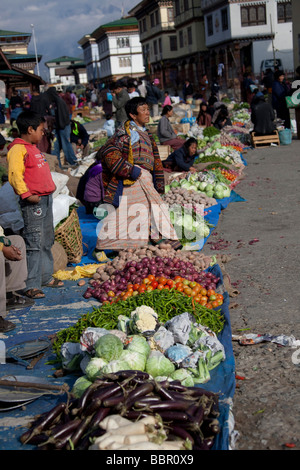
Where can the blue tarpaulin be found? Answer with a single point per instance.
(60, 309)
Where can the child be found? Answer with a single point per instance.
(167, 99)
(30, 176)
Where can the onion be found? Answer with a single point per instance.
(87, 295)
(127, 276)
(132, 269)
(123, 281)
(138, 266)
(133, 264)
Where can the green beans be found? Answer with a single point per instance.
(167, 304)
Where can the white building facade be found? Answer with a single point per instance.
(262, 28)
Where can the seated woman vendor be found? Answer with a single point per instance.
(133, 181)
(183, 159)
(204, 118)
(165, 131)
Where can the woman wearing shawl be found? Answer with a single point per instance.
(133, 179)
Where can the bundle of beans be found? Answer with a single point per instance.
(189, 199)
(164, 250)
(186, 417)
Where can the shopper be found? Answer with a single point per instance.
(30, 176)
(153, 97)
(279, 93)
(183, 158)
(119, 99)
(165, 131)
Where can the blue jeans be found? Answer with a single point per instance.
(38, 234)
(62, 141)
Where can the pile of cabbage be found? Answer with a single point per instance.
(206, 183)
(181, 349)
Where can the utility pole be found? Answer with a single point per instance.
(274, 58)
(36, 57)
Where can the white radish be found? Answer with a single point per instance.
(136, 438)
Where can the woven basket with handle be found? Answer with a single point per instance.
(68, 234)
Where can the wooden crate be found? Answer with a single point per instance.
(164, 151)
(259, 141)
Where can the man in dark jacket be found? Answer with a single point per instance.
(153, 97)
(119, 99)
(262, 117)
(62, 129)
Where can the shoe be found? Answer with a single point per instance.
(17, 301)
(6, 325)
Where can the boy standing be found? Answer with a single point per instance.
(30, 176)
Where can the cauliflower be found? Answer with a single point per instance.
(143, 319)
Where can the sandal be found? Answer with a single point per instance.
(54, 283)
(17, 301)
(34, 294)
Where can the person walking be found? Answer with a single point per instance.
(119, 99)
(62, 128)
(30, 176)
(153, 97)
(187, 90)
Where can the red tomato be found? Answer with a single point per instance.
(142, 289)
(154, 284)
(170, 282)
(136, 287)
(149, 288)
(160, 286)
(151, 277)
(162, 280)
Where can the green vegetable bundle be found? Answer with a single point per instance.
(167, 304)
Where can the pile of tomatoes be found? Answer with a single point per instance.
(206, 297)
(229, 175)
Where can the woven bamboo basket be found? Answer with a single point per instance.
(68, 234)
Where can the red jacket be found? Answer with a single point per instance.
(28, 171)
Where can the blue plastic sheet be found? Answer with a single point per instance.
(60, 309)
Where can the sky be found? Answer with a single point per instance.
(58, 25)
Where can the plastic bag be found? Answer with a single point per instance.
(180, 326)
(163, 338)
(89, 338)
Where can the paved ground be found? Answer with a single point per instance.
(266, 273)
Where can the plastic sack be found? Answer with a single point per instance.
(60, 181)
(89, 338)
(71, 356)
(180, 326)
(178, 353)
(10, 214)
(60, 207)
(163, 338)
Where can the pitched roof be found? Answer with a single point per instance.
(64, 59)
(5, 33)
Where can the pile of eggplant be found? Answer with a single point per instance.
(186, 413)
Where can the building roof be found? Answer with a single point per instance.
(4, 33)
(64, 59)
(121, 24)
(129, 21)
(21, 57)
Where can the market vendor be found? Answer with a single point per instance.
(203, 118)
(183, 158)
(79, 138)
(13, 274)
(133, 180)
(263, 117)
(165, 131)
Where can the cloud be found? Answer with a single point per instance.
(59, 25)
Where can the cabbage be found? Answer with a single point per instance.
(115, 366)
(202, 185)
(93, 369)
(135, 360)
(167, 188)
(158, 364)
(219, 194)
(209, 187)
(175, 184)
(184, 376)
(138, 344)
(209, 193)
(109, 347)
(193, 188)
(80, 386)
